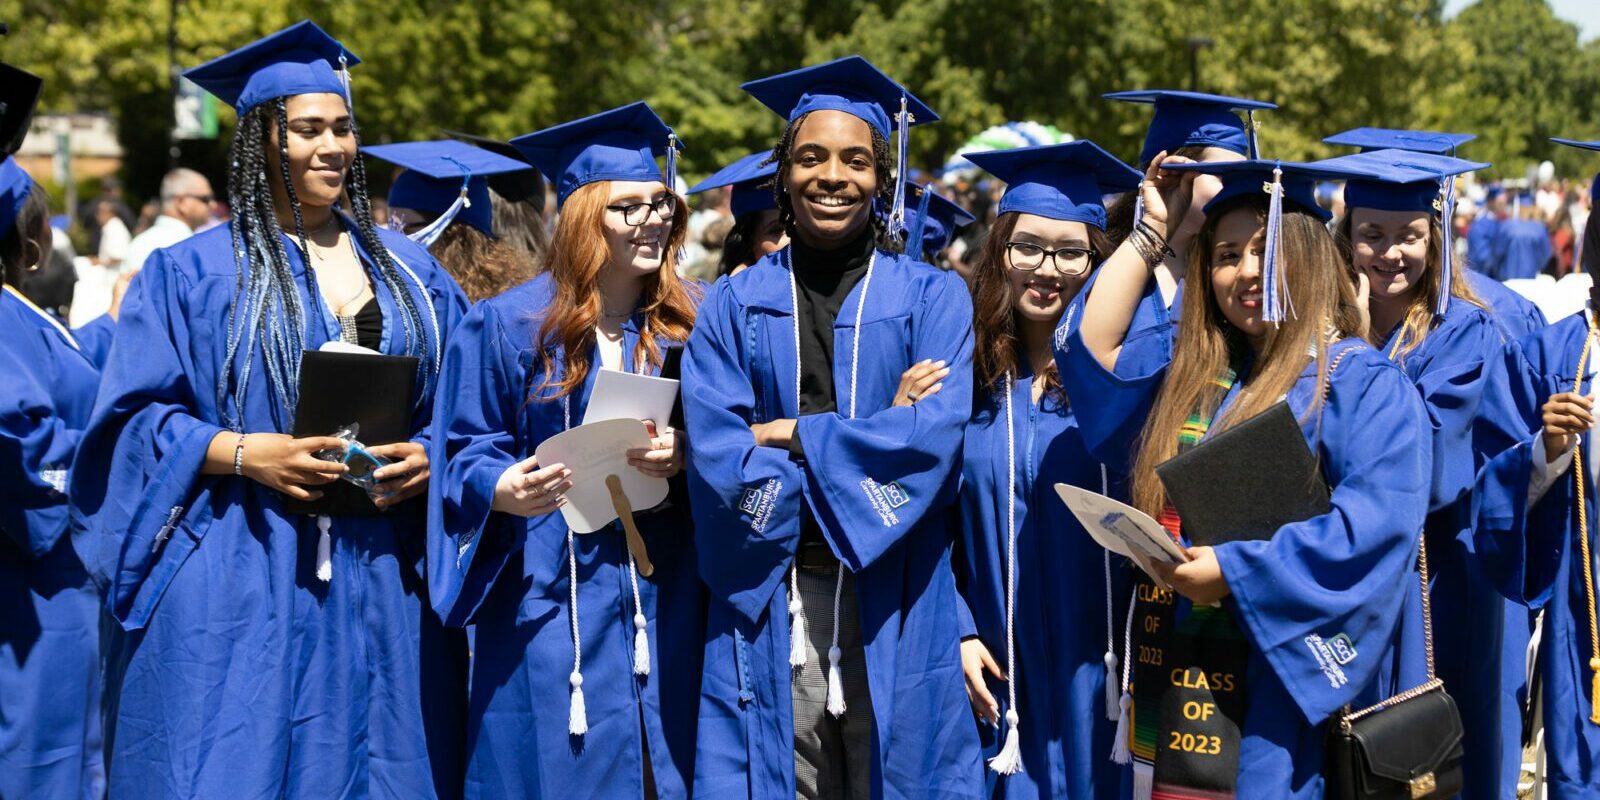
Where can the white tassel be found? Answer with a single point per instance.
(324, 549)
(797, 624)
(835, 682)
(577, 715)
(1120, 753)
(1009, 760)
(1112, 674)
(641, 647)
(641, 642)
(1144, 781)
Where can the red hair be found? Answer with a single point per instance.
(578, 252)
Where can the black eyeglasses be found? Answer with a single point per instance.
(1027, 257)
(664, 206)
(208, 199)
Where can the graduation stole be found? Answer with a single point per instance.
(1580, 479)
(1191, 674)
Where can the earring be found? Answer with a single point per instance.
(33, 267)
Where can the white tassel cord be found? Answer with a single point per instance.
(1009, 759)
(1111, 622)
(835, 676)
(641, 640)
(1121, 750)
(797, 628)
(577, 714)
(797, 622)
(324, 548)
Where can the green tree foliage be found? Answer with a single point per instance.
(1506, 69)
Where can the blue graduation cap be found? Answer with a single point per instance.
(1282, 182)
(745, 179)
(1066, 181)
(935, 220)
(616, 145)
(300, 59)
(526, 185)
(1369, 139)
(15, 186)
(444, 177)
(1195, 118)
(852, 85)
(1401, 180)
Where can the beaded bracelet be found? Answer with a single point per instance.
(238, 456)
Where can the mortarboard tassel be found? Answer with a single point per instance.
(672, 162)
(797, 622)
(897, 211)
(1447, 254)
(1250, 125)
(324, 548)
(430, 234)
(1009, 760)
(1275, 304)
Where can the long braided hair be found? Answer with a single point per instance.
(267, 307)
(883, 197)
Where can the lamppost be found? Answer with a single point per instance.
(1196, 44)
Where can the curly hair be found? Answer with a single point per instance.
(484, 267)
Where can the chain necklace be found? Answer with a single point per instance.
(347, 322)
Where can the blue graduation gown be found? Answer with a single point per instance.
(247, 677)
(880, 485)
(1147, 347)
(1517, 315)
(50, 731)
(509, 577)
(1523, 247)
(1329, 575)
(1482, 244)
(1449, 368)
(1060, 626)
(94, 339)
(1537, 550)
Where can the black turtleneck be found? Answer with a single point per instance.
(823, 278)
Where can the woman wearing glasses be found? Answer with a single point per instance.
(586, 672)
(1034, 586)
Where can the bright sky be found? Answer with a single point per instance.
(1586, 13)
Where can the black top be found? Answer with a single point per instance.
(823, 278)
(369, 325)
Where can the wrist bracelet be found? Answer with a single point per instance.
(238, 456)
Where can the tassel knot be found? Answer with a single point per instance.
(1009, 760)
(836, 705)
(324, 548)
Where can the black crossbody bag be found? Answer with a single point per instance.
(1407, 747)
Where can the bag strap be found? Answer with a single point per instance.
(1433, 682)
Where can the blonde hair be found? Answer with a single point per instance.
(1419, 319)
